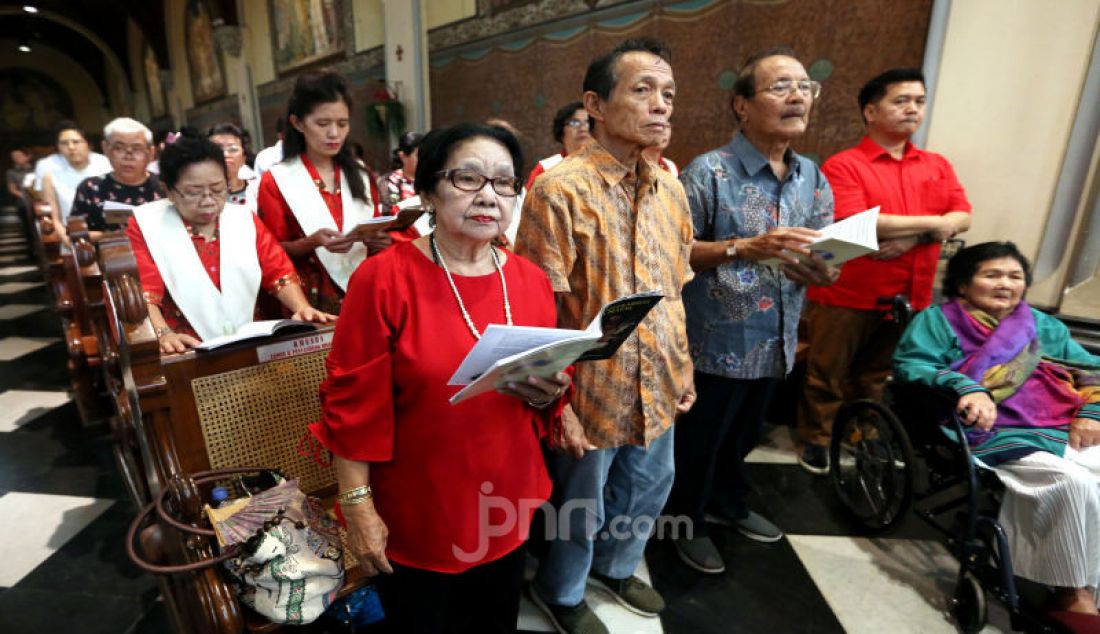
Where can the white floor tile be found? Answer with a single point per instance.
(35, 526)
(19, 407)
(17, 287)
(14, 311)
(775, 447)
(15, 347)
(17, 270)
(13, 249)
(8, 259)
(617, 618)
(887, 585)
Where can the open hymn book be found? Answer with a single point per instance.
(408, 212)
(845, 240)
(256, 330)
(512, 353)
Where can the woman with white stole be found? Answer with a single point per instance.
(203, 262)
(318, 193)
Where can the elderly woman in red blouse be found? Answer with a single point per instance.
(203, 262)
(438, 497)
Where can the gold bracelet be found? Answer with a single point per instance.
(358, 495)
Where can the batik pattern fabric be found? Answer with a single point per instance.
(601, 232)
(742, 316)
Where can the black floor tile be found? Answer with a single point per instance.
(765, 588)
(43, 369)
(37, 611)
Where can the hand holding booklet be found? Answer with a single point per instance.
(409, 211)
(256, 330)
(845, 240)
(513, 353)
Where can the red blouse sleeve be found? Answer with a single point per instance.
(272, 208)
(152, 284)
(357, 406)
(275, 265)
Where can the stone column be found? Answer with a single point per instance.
(230, 41)
(406, 51)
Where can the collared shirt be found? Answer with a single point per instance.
(602, 232)
(66, 179)
(94, 192)
(743, 316)
(920, 184)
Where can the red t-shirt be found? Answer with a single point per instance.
(921, 183)
(276, 269)
(322, 292)
(436, 468)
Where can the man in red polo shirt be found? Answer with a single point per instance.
(851, 338)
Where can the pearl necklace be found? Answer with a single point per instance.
(462, 306)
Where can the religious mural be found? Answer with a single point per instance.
(158, 103)
(305, 31)
(31, 102)
(207, 79)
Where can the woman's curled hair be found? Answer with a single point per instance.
(437, 145)
(185, 152)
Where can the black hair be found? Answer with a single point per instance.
(876, 89)
(187, 151)
(437, 145)
(226, 127)
(745, 84)
(962, 266)
(602, 75)
(68, 124)
(565, 113)
(311, 90)
(406, 143)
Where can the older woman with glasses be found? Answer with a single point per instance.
(203, 262)
(439, 496)
(243, 182)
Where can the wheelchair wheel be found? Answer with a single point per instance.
(871, 465)
(968, 605)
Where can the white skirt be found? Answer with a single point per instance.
(1051, 514)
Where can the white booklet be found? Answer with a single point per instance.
(847, 239)
(256, 330)
(512, 353)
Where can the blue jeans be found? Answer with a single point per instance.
(607, 503)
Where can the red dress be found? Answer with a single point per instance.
(436, 468)
(276, 269)
(322, 292)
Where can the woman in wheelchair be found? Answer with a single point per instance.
(1030, 396)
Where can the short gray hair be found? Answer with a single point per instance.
(126, 125)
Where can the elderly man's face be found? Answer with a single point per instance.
(129, 154)
(73, 146)
(769, 114)
(900, 111)
(639, 108)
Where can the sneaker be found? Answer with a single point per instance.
(700, 553)
(633, 593)
(577, 619)
(815, 459)
(754, 526)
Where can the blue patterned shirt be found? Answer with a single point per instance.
(742, 317)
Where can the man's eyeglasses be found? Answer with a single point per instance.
(129, 150)
(231, 149)
(579, 123)
(785, 87)
(197, 195)
(470, 181)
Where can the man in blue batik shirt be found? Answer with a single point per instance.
(752, 200)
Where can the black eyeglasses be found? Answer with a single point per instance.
(468, 180)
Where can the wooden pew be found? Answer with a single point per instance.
(244, 405)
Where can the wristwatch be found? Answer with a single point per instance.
(731, 249)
